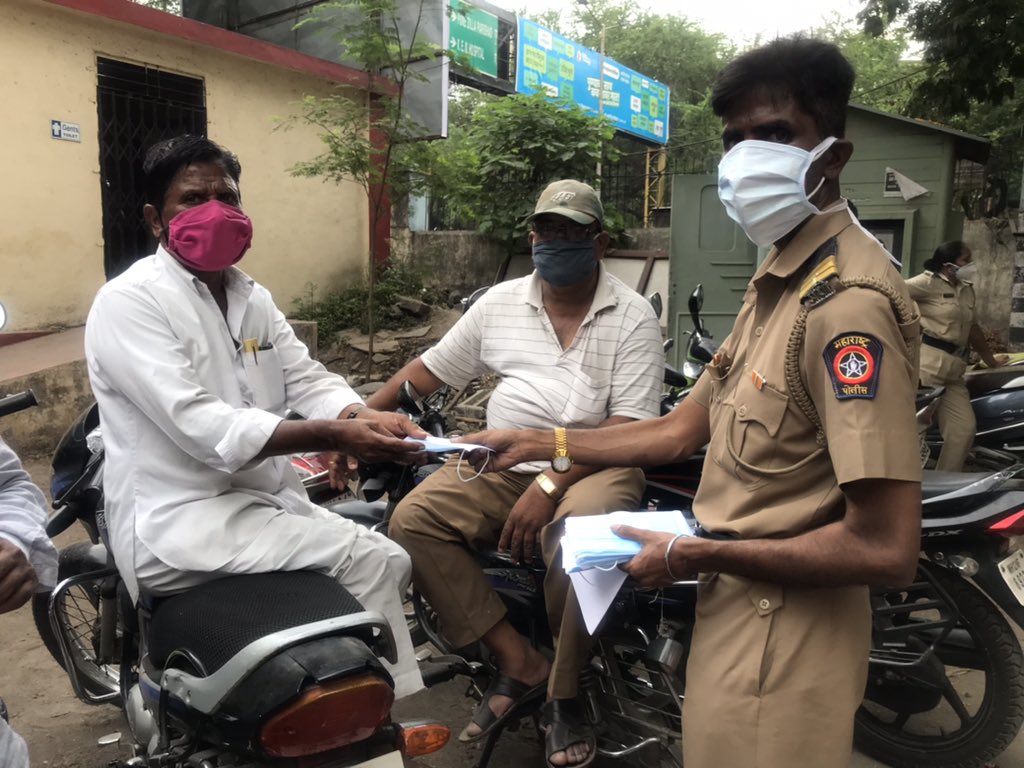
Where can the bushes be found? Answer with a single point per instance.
(347, 308)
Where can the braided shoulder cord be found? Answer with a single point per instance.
(798, 391)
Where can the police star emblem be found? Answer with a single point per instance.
(854, 362)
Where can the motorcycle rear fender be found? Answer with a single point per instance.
(988, 579)
(207, 694)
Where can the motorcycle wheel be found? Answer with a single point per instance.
(932, 715)
(79, 618)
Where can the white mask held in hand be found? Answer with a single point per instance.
(761, 185)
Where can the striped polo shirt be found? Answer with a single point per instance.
(614, 366)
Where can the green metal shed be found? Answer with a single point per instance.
(900, 178)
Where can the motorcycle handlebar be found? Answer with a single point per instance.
(19, 402)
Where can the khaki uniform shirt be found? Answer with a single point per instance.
(857, 369)
(947, 313)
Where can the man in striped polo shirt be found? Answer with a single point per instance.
(573, 347)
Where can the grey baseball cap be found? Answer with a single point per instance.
(572, 199)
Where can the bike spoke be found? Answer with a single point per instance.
(950, 695)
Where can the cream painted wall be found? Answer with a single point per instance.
(51, 246)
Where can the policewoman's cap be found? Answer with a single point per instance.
(572, 199)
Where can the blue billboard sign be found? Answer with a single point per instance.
(548, 63)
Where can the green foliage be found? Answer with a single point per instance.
(521, 144)
(347, 308)
(975, 49)
(170, 6)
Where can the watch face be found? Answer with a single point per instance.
(561, 463)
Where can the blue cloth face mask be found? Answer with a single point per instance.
(564, 262)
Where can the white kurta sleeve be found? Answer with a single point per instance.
(23, 517)
(131, 350)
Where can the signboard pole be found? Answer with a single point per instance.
(600, 114)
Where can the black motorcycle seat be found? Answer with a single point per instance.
(367, 513)
(989, 380)
(939, 483)
(214, 621)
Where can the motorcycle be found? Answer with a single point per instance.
(275, 669)
(997, 399)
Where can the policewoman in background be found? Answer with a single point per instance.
(945, 295)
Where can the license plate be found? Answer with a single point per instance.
(1012, 569)
(390, 760)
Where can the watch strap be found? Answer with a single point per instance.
(548, 486)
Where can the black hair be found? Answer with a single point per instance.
(812, 72)
(947, 253)
(166, 158)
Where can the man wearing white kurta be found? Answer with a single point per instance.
(193, 368)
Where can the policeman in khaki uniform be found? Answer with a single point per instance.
(945, 296)
(811, 487)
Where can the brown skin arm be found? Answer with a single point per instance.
(18, 579)
(386, 398)
(634, 444)
(363, 437)
(535, 509)
(876, 543)
(976, 339)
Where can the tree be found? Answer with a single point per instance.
(975, 49)
(362, 134)
(169, 6)
(974, 53)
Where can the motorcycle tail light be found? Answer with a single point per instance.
(418, 739)
(1010, 526)
(329, 717)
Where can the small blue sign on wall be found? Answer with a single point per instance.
(555, 65)
(59, 129)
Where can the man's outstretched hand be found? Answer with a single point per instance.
(509, 448)
(18, 580)
(343, 464)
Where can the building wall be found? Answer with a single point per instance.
(51, 239)
(921, 154)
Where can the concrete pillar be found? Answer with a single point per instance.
(1016, 336)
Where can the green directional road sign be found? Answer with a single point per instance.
(474, 34)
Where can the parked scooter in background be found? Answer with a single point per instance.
(701, 347)
(275, 669)
(997, 398)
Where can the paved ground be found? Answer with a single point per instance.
(62, 733)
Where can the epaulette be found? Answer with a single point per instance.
(822, 276)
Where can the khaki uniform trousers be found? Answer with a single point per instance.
(775, 675)
(957, 425)
(445, 521)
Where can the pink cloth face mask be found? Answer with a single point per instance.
(209, 237)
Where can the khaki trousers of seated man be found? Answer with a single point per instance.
(445, 521)
(775, 674)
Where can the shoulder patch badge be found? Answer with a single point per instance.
(854, 361)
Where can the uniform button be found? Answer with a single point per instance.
(742, 411)
(759, 330)
(765, 604)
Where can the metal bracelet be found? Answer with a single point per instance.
(668, 551)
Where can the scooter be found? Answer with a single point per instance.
(276, 669)
(997, 398)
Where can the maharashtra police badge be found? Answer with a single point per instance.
(854, 361)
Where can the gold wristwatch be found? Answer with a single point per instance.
(548, 486)
(561, 462)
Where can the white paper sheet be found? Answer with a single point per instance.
(595, 590)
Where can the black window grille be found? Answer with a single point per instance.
(137, 106)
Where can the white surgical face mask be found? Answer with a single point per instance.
(966, 272)
(761, 185)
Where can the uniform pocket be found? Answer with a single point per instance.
(750, 445)
(765, 598)
(265, 375)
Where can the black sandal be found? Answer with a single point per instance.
(503, 685)
(564, 726)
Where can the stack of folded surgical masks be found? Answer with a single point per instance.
(589, 542)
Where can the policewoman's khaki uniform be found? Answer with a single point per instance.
(776, 672)
(947, 314)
